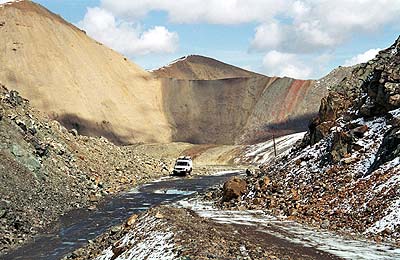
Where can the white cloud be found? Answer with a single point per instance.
(285, 64)
(285, 30)
(196, 11)
(363, 57)
(268, 36)
(312, 26)
(304, 37)
(292, 25)
(127, 37)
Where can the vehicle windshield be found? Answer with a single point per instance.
(182, 163)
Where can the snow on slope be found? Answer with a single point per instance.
(264, 152)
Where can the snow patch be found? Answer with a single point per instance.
(390, 221)
(174, 192)
(145, 242)
(264, 152)
(294, 232)
(173, 62)
(395, 113)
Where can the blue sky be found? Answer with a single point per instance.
(297, 38)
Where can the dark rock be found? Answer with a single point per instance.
(22, 125)
(359, 131)
(32, 130)
(14, 98)
(389, 149)
(117, 251)
(332, 107)
(41, 149)
(319, 130)
(74, 132)
(341, 146)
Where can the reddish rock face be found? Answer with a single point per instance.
(207, 101)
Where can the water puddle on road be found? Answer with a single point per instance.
(79, 226)
(294, 232)
(175, 192)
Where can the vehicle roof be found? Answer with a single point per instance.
(183, 160)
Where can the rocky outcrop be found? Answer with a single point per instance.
(345, 174)
(372, 89)
(382, 84)
(389, 149)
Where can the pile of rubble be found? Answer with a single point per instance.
(46, 170)
(345, 174)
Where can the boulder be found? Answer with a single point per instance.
(74, 132)
(332, 107)
(341, 146)
(234, 188)
(131, 220)
(359, 131)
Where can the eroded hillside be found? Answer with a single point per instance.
(77, 80)
(224, 104)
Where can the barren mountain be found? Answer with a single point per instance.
(77, 80)
(95, 90)
(208, 101)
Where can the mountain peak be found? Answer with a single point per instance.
(27, 6)
(197, 67)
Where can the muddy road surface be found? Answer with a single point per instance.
(76, 228)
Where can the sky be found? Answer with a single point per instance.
(296, 38)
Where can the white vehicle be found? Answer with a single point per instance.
(183, 166)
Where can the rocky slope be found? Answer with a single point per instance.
(45, 170)
(344, 175)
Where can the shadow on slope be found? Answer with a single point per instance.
(290, 126)
(91, 128)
